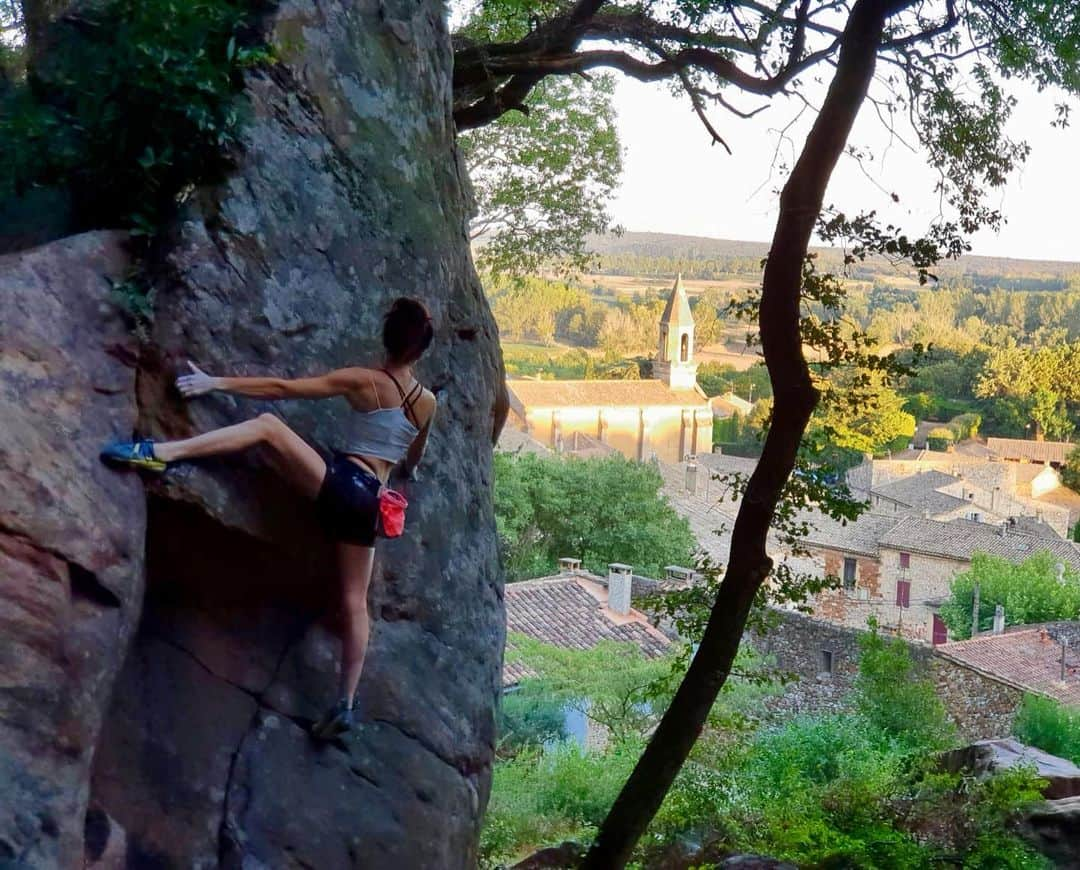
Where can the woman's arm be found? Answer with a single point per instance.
(415, 452)
(335, 383)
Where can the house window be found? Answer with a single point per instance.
(905, 560)
(973, 516)
(849, 574)
(903, 593)
(825, 663)
(684, 350)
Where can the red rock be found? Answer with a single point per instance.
(71, 535)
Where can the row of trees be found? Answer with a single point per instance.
(543, 310)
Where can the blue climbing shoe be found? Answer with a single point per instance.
(337, 721)
(133, 454)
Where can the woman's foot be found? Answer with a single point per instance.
(133, 454)
(337, 720)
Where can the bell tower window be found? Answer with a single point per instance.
(684, 348)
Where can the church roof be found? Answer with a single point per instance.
(597, 393)
(678, 306)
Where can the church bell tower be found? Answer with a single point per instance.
(674, 363)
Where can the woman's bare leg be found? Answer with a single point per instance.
(354, 566)
(297, 459)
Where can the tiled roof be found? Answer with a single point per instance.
(731, 404)
(856, 536)
(722, 463)
(920, 491)
(961, 539)
(1033, 451)
(1028, 659)
(513, 440)
(569, 611)
(592, 394)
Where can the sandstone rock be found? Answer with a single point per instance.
(986, 756)
(1054, 829)
(71, 535)
(348, 193)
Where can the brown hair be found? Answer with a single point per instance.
(407, 330)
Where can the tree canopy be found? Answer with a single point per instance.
(1040, 589)
(597, 510)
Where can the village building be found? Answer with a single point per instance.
(667, 417)
(898, 569)
(981, 681)
(1050, 453)
(575, 609)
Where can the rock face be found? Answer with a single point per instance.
(348, 194)
(1054, 829)
(71, 536)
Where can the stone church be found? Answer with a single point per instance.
(667, 416)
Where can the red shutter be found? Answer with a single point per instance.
(903, 593)
(941, 633)
(905, 560)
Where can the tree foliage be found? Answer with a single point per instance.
(136, 103)
(543, 179)
(598, 510)
(1039, 589)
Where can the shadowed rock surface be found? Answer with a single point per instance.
(348, 194)
(71, 536)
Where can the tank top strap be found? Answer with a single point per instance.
(375, 389)
(407, 399)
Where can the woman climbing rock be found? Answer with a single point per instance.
(390, 428)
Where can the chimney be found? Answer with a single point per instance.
(691, 474)
(620, 580)
(999, 619)
(1059, 569)
(1004, 528)
(568, 565)
(678, 574)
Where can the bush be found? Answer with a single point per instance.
(965, 426)
(1050, 726)
(939, 438)
(135, 103)
(529, 718)
(897, 697)
(544, 797)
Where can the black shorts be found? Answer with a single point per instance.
(348, 502)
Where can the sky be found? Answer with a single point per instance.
(674, 181)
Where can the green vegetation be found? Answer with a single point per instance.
(598, 510)
(136, 103)
(543, 180)
(1050, 726)
(1003, 347)
(1030, 592)
(857, 789)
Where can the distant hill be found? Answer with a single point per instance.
(631, 246)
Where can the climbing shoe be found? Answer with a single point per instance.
(338, 720)
(133, 454)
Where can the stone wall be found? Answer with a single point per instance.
(805, 647)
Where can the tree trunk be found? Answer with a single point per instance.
(795, 398)
(37, 16)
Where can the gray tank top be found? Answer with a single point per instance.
(384, 433)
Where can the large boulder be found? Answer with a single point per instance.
(348, 193)
(1053, 828)
(71, 535)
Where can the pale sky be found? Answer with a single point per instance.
(675, 182)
